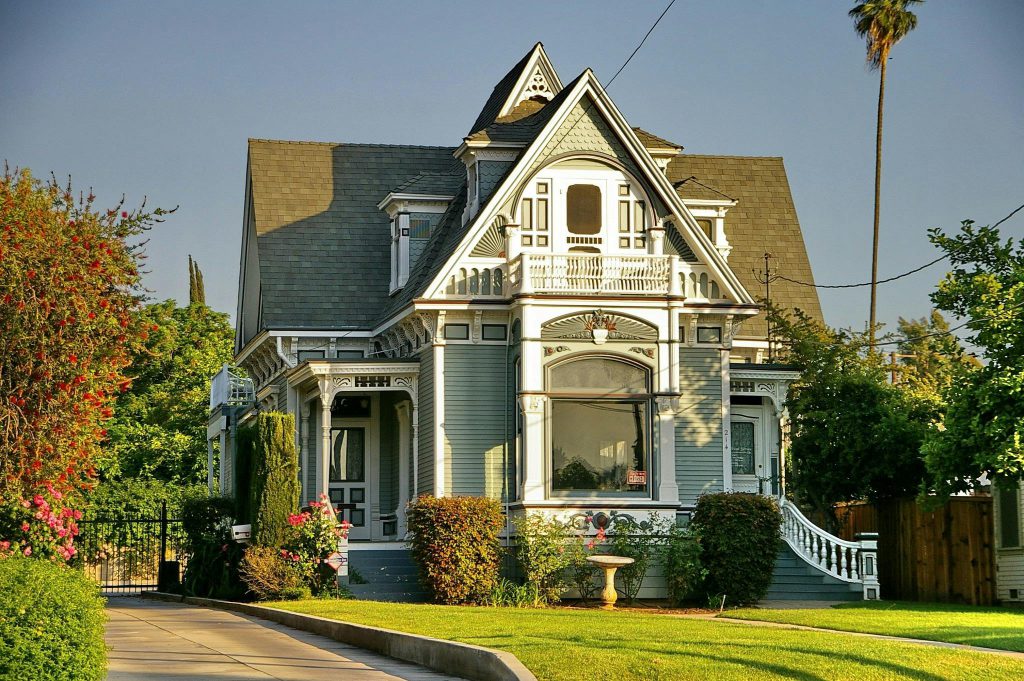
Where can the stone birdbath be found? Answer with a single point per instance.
(609, 564)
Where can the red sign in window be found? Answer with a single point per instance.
(636, 478)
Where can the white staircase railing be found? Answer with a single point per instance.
(855, 562)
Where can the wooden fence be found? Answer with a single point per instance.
(945, 555)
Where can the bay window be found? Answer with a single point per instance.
(600, 432)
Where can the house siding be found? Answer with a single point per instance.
(425, 417)
(699, 424)
(490, 174)
(475, 415)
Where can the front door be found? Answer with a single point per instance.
(747, 440)
(352, 466)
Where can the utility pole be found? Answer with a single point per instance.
(893, 356)
(768, 300)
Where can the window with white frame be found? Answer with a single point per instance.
(583, 206)
(600, 433)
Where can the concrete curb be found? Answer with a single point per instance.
(460, 659)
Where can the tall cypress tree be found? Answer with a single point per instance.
(275, 480)
(196, 289)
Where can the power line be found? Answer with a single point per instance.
(898, 276)
(646, 35)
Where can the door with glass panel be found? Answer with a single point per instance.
(747, 440)
(348, 477)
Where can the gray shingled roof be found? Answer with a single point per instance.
(764, 219)
(435, 184)
(500, 93)
(323, 245)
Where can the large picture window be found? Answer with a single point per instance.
(600, 416)
(599, 446)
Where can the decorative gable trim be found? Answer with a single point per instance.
(587, 84)
(538, 78)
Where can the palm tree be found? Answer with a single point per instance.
(883, 23)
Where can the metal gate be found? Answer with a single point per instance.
(132, 554)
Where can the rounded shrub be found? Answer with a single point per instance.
(51, 622)
(455, 543)
(739, 536)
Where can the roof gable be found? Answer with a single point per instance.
(582, 119)
(532, 76)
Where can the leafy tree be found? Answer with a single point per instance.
(853, 436)
(275, 478)
(929, 356)
(69, 292)
(196, 288)
(882, 23)
(159, 426)
(983, 430)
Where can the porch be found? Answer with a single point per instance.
(356, 438)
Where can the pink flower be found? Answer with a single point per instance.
(284, 553)
(39, 500)
(590, 544)
(78, 514)
(26, 503)
(295, 557)
(4, 545)
(24, 527)
(27, 551)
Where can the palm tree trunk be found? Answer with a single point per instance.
(878, 200)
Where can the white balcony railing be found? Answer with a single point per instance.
(585, 274)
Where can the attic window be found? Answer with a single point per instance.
(707, 228)
(583, 209)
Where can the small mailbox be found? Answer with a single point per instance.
(241, 533)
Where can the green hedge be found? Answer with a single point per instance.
(455, 543)
(739, 539)
(275, 479)
(214, 557)
(51, 623)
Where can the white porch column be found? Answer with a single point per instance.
(439, 408)
(224, 468)
(325, 444)
(402, 412)
(668, 489)
(534, 407)
(415, 455)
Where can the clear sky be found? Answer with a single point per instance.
(157, 99)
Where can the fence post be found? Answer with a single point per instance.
(868, 564)
(168, 575)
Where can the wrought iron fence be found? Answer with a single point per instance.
(132, 554)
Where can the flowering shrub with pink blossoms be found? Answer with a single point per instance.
(40, 525)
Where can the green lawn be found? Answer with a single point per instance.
(987, 627)
(561, 644)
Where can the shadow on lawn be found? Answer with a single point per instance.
(749, 662)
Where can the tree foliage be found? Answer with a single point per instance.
(932, 358)
(196, 288)
(854, 436)
(275, 478)
(882, 24)
(159, 427)
(69, 290)
(983, 430)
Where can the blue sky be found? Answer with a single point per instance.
(157, 99)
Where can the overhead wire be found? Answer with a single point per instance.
(778, 277)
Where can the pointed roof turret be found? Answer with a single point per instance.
(533, 78)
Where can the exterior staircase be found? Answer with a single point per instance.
(794, 579)
(390, 574)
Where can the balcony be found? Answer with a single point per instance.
(616, 275)
(585, 274)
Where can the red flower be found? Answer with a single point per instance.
(124, 213)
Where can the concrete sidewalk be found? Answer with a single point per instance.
(157, 641)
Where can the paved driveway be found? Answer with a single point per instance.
(156, 641)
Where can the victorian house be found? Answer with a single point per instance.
(560, 311)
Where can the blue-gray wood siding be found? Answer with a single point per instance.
(476, 415)
(425, 416)
(389, 450)
(699, 424)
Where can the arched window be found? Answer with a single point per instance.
(600, 427)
